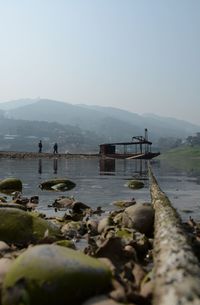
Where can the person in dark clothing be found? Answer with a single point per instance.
(40, 146)
(55, 148)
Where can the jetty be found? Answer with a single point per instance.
(138, 148)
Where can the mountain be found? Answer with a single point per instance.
(16, 103)
(108, 123)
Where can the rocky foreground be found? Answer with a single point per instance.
(86, 257)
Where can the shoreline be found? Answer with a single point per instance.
(37, 155)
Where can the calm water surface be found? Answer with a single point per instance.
(99, 183)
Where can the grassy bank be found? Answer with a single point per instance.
(186, 158)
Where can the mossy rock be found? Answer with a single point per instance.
(65, 243)
(10, 185)
(55, 184)
(135, 184)
(52, 275)
(20, 227)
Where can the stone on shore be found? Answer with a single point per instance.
(20, 227)
(51, 275)
(57, 185)
(10, 185)
(135, 184)
(139, 217)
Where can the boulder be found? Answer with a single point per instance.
(20, 227)
(139, 217)
(51, 275)
(10, 185)
(57, 185)
(135, 184)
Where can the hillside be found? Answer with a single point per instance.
(22, 135)
(110, 123)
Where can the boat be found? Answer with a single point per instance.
(124, 150)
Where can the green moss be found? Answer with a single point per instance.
(124, 233)
(52, 275)
(10, 185)
(19, 227)
(135, 184)
(65, 243)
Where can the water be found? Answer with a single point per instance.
(99, 183)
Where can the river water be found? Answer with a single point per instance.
(100, 182)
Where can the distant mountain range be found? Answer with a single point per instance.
(106, 124)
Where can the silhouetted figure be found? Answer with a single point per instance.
(40, 146)
(55, 148)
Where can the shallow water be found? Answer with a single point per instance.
(99, 183)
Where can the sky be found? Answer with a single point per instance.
(138, 55)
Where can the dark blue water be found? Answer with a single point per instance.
(99, 183)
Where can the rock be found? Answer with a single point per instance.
(5, 264)
(65, 243)
(139, 217)
(124, 203)
(92, 226)
(10, 185)
(74, 229)
(19, 227)
(103, 224)
(51, 275)
(135, 184)
(79, 207)
(101, 300)
(4, 247)
(51, 184)
(65, 202)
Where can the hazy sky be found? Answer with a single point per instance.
(139, 55)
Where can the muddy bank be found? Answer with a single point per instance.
(36, 155)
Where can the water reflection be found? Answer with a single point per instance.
(107, 166)
(39, 166)
(137, 168)
(55, 166)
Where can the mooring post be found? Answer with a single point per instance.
(176, 268)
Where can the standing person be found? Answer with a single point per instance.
(40, 146)
(55, 148)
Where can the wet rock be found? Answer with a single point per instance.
(112, 249)
(104, 223)
(135, 184)
(53, 184)
(3, 199)
(124, 203)
(51, 275)
(74, 229)
(17, 226)
(13, 205)
(138, 273)
(4, 247)
(139, 217)
(5, 264)
(64, 202)
(10, 185)
(65, 243)
(101, 300)
(92, 226)
(79, 207)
